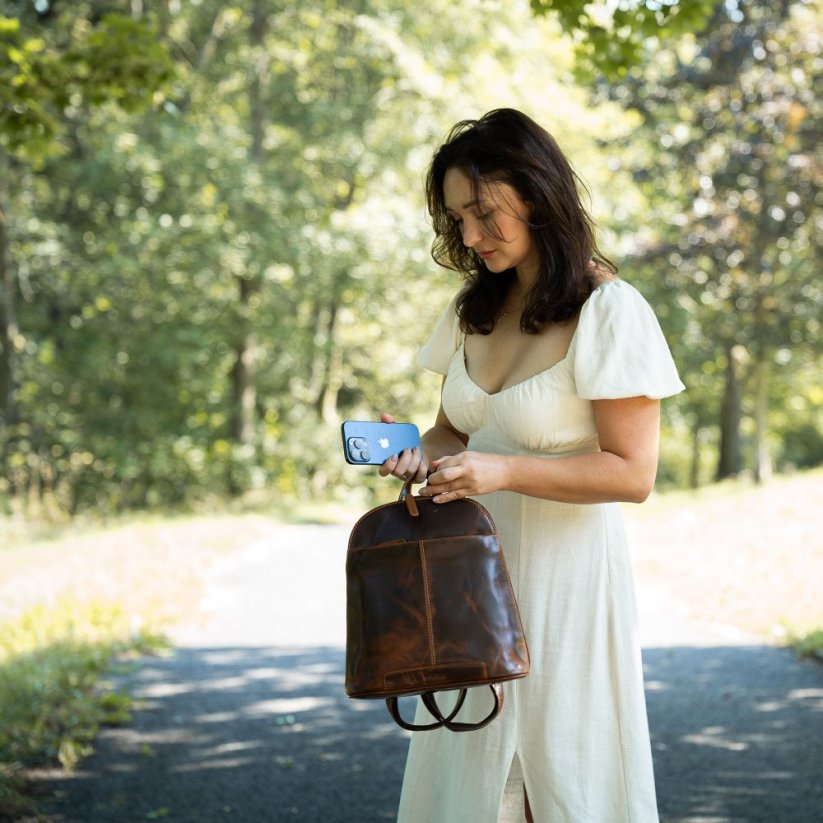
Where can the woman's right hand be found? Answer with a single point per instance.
(409, 463)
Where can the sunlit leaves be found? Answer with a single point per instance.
(733, 172)
(269, 205)
(47, 74)
(612, 36)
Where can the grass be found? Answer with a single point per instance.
(809, 644)
(52, 696)
(75, 598)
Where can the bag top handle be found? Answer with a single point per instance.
(405, 494)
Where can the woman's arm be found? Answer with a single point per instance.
(623, 470)
(440, 440)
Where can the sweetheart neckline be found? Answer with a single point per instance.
(462, 352)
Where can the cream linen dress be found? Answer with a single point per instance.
(575, 729)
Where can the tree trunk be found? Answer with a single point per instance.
(8, 319)
(762, 457)
(694, 469)
(330, 368)
(729, 463)
(244, 387)
(162, 11)
(244, 371)
(245, 394)
(259, 66)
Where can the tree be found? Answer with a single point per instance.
(612, 37)
(731, 166)
(55, 65)
(206, 287)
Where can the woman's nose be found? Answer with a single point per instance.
(471, 233)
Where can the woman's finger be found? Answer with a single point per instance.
(406, 464)
(422, 470)
(388, 467)
(448, 497)
(446, 474)
(416, 467)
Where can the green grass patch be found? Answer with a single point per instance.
(809, 644)
(53, 698)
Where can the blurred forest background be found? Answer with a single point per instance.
(214, 246)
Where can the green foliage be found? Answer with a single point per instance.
(51, 705)
(14, 803)
(809, 645)
(52, 71)
(727, 161)
(611, 38)
(256, 228)
(200, 290)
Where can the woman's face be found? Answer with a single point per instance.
(495, 224)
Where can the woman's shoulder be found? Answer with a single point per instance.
(619, 349)
(616, 303)
(445, 340)
(602, 274)
(610, 291)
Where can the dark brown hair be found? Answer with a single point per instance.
(506, 146)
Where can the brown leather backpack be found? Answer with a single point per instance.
(430, 607)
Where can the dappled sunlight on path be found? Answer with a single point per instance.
(737, 734)
(248, 734)
(248, 719)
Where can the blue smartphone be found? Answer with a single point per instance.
(371, 444)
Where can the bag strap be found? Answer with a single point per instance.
(394, 711)
(405, 494)
(447, 721)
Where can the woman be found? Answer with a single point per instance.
(553, 373)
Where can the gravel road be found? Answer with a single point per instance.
(248, 721)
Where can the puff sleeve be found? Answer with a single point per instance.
(444, 342)
(619, 349)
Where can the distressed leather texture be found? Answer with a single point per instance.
(430, 604)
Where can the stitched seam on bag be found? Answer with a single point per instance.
(404, 542)
(466, 500)
(454, 664)
(427, 593)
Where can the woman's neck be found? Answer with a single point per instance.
(522, 284)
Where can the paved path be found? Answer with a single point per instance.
(248, 720)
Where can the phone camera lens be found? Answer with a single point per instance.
(359, 449)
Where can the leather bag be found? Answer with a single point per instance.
(430, 607)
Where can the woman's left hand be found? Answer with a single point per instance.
(463, 475)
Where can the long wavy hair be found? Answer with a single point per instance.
(506, 146)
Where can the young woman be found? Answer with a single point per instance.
(553, 373)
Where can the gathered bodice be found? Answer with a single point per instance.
(617, 351)
(539, 414)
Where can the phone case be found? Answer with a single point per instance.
(367, 443)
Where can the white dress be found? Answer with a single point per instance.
(575, 729)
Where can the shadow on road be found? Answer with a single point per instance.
(737, 734)
(261, 734)
(245, 734)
